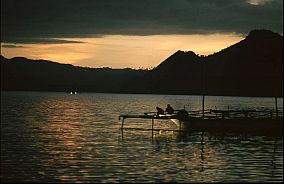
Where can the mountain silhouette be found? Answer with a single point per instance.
(251, 67)
(173, 75)
(24, 74)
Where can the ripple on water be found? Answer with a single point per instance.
(56, 137)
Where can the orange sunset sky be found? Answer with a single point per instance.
(118, 51)
(136, 34)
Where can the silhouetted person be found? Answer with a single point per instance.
(169, 109)
(159, 110)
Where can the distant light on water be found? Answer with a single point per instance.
(73, 93)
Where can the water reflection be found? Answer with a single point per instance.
(55, 137)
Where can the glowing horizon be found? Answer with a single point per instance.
(120, 51)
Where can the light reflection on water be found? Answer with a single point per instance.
(57, 137)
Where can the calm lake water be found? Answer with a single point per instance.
(58, 137)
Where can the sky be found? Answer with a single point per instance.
(129, 33)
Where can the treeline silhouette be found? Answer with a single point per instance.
(252, 67)
(41, 75)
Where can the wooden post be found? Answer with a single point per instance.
(202, 106)
(276, 107)
(122, 123)
(152, 127)
(228, 112)
(202, 86)
(274, 150)
(122, 134)
(202, 140)
(179, 124)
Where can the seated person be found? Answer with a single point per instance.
(169, 109)
(159, 110)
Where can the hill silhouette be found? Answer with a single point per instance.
(251, 67)
(24, 74)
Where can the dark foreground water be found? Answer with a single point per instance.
(58, 137)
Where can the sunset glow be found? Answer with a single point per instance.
(117, 51)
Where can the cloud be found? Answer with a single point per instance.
(258, 2)
(90, 18)
(37, 41)
(11, 46)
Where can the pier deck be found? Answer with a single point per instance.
(218, 120)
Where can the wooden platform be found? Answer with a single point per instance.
(240, 121)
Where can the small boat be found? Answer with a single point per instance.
(223, 121)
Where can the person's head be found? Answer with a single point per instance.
(168, 105)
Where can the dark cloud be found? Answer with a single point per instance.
(11, 46)
(89, 18)
(37, 41)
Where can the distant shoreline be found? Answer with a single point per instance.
(86, 92)
(252, 67)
